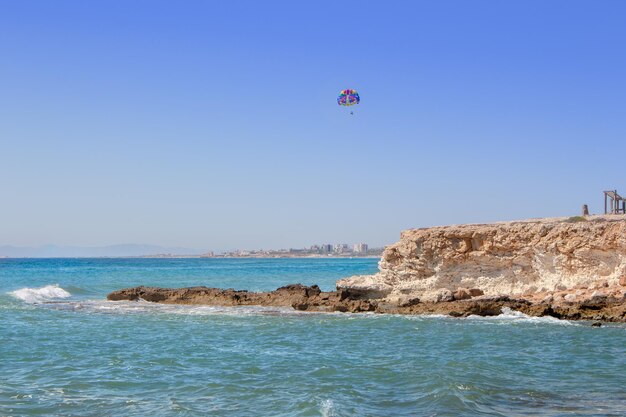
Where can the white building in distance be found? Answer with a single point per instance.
(360, 248)
(341, 248)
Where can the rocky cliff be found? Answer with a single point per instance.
(557, 259)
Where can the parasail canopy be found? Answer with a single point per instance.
(348, 97)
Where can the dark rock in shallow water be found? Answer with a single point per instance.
(304, 298)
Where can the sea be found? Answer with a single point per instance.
(67, 351)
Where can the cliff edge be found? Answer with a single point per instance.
(551, 260)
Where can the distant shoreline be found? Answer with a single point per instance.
(197, 257)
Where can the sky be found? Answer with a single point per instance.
(214, 125)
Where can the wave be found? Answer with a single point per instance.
(509, 315)
(141, 306)
(506, 317)
(40, 295)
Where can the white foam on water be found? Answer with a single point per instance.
(40, 295)
(146, 307)
(512, 316)
(53, 295)
(423, 316)
(326, 408)
(510, 313)
(508, 316)
(237, 310)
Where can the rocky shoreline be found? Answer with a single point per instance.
(570, 268)
(601, 308)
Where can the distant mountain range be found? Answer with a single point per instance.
(54, 251)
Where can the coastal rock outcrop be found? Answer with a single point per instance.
(524, 259)
(303, 298)
(569, 268)
(297, 296)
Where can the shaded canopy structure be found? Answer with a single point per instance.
(614, 203)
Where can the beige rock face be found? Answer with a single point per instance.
(519, 258)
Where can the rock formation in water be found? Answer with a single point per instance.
(567, 259)
(297, 296)
(312, 299)
(569, 268)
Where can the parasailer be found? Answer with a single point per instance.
(348, 97)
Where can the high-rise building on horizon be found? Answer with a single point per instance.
(360, 247)
(341, 248)
(327, 248)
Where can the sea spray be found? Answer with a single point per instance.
(40, 295)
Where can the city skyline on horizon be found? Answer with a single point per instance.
(135, 249)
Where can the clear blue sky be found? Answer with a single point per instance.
(214, 125)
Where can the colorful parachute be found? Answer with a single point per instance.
(348, 97)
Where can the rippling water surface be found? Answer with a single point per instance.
(64, 350)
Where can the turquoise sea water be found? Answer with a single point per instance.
(65, 350)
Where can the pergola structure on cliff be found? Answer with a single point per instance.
(616, 203)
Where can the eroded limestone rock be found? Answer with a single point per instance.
(521, 258)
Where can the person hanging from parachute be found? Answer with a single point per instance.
(348, 97)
